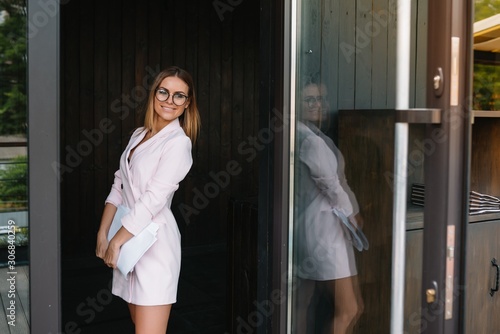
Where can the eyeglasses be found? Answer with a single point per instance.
(312, 100)
(178, 99)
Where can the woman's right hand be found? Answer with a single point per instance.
(102, 245)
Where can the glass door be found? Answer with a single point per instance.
(378, 120)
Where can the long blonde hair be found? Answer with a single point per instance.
(190, 119)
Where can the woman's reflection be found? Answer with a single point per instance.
(326, 226)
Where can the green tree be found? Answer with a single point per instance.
(13, 67)
(485, 8)
(13, 184)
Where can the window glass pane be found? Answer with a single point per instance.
(13, 167)
(343, 168)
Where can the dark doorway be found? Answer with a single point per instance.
(109, 52)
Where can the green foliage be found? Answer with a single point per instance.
(13, 184)
(486, 87)
(485, 8)
(13, 67)
(21, 239)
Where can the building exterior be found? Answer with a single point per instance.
(347, 162)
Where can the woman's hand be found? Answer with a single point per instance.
(102, 245)
(111, 255)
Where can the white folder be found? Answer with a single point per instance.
(134, 249)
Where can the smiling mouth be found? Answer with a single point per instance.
(167, 108)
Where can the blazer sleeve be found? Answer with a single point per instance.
(115, 195)
(323, 168)
(173, 167)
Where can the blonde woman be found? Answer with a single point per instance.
(156, 160)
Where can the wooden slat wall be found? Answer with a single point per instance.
(107, 49)
(353, 46)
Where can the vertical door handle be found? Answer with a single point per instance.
(495, 289)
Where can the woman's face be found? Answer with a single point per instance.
(311, 103)
(167, 110)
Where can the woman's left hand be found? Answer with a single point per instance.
(111, 256)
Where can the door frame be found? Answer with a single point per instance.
(43, 155)
(446, 168)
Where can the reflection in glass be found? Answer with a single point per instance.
(13, 168)
(327, 225)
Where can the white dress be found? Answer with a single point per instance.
(324, 251)
(146, 185)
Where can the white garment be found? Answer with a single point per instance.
(146, 185)
(323, 250)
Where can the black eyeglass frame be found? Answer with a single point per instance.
(174, 95)
(312, 100)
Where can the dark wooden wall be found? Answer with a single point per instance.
(109, 52)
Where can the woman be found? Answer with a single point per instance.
(325, 256)
(157, 158)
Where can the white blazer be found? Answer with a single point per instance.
(146, 185)
(324, 251)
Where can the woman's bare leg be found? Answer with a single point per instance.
(348, 304)
(150, 319)
(304, 293)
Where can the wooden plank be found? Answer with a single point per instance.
(214, 116)
(4, 303)
(309, 43)
(167, 34)
(192, 38)
(226, 113)
(10, 283)
(391, 54)
(23, 288)
(237, 103)
(179, 33)
(154, 21)
(70, 131)
(98, 64)
(124, 108)
(86, 202)
(203, 94)
(330, 53)
(364, 43)
(413, 282)
(250, 99)
(380, 24)
(347, 54)
(413, 54)
(421, 52)
(141, 55)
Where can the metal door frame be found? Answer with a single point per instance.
(449, 48)
(43, 153)
(445, 215)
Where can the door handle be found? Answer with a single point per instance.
(495, 289)
(419, 116)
